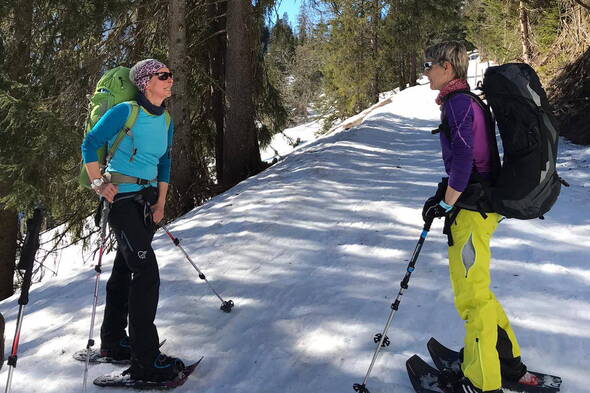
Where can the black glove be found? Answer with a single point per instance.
(435, 208)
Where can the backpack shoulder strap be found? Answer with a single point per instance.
(484, 107)
(465, 92)
(126, 130)
(491, 126)
(168, 119)
(444, 126)
(132, 115)
(491, 123)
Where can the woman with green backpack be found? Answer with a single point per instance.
(138, 135)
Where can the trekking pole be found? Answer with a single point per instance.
(381, 338)
(98, 269)
(226, 306)
(27, 258)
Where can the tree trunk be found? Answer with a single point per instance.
(183, 161)
(524, 33)
(402, 72)
(241, 154)
(18, 69)
(375, 50)
(8, 233)
(413, 70)
(217, 47)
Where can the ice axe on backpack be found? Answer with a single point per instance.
(27, 259)
(226, 306)
(381, 339)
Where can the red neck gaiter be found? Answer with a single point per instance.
(453, 85)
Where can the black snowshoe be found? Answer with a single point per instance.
(165, 373)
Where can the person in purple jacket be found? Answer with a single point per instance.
(491, 352)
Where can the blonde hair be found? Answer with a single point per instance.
(452, 51)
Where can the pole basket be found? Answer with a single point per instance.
(360, 388)
(227, 306)
(377, 339)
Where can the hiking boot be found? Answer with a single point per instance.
(529, 379)
(120, 351)
(449, 377)
(163, 368)
(465, 386)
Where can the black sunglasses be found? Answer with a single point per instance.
(162, 75)
(428, 65)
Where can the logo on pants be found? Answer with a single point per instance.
(142, 254)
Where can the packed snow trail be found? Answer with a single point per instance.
(312, 251)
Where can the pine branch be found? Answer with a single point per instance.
(201, 42)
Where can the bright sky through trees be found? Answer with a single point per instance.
(291, 7)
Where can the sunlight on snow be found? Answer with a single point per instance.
(544, 323)
(549, 268)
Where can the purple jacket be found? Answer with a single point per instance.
(469, 145)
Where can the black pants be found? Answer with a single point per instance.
(133, 288)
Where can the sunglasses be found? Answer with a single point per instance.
(428, 65)
(162, 75)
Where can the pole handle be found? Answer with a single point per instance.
(427, 224)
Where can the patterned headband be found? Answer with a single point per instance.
(141, 71)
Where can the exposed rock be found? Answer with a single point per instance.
(569, 93)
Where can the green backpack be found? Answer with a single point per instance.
(113, 88)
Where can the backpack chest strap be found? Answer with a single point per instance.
(444, 128)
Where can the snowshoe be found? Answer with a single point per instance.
(533, 382)
(126, 379)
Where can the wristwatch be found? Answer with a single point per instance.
(97, 183)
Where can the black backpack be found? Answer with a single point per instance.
(526, 184)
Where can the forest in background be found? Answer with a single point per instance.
(242, 74)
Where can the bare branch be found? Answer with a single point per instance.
(582, 4)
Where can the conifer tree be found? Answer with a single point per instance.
(187, 167)
(216, 50)
(350, 65)
(241, 155)
(18, 69)
(303, 23)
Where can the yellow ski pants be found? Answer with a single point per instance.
(485, 320)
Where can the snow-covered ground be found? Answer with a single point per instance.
(312, 251)
(291, 139)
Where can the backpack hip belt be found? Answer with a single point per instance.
(119, 178)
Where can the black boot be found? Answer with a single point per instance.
(163, 368)
(452, 381)
(117, 351)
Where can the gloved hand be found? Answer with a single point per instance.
(435, 208)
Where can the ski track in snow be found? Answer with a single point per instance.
(312, 251)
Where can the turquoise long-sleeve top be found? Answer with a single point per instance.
(145, 154)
